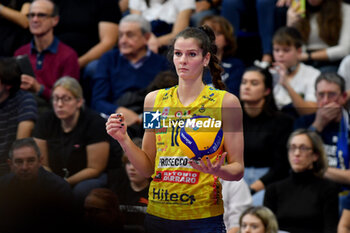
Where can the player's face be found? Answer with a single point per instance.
(65, 105)
(188, 59)
(252, 87)
(40, 18)
(252, 224)
(25, 163)
(287, 55)
(131, 40)
(300, 153)
(327, 92)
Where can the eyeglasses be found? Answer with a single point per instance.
(39, 15)
(302, 149)
(65, 99)
(330, 95)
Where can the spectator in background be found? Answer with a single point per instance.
(266, 131)
(331, 122)
(18, 109)
(13, 26)
(325, 29)
(258, 219)
(32, 199)
(344, 71)
(72, 139)
(232, 9)
(50, 58)
(102, 212)
(237, 199)
(344, 223)
(131, 188)
(294, 89)
(130, 67)
(305, 202)
(167, 17)
(90, 27)
(204, 8)
(226, 44)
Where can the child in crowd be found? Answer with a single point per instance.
(294, 88)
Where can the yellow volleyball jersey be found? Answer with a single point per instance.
(178, 191)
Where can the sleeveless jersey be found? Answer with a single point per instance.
(177, 191)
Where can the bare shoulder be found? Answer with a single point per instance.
(230, 101)
(150, 99)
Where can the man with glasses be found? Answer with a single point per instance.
(331, 122)
(50, 58)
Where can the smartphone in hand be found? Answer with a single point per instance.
(25, 65)
(301, 9)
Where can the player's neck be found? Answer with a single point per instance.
(189, 90)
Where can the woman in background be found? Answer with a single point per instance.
(305, 202)
(266, 131)
(226, 44)
(258, 219)
(72, 139)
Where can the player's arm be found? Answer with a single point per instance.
(233, 138)
(142, 159)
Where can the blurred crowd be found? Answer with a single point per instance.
(66, 65)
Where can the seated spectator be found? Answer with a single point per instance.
(50, 58)
(305, 202)
(135, 100)
(32, 199)
(331, 122)
(232, 10)
(325, 29)
(237, 198)
(13, 26)
(344, 223)
(90, 27)
(258, 219)
(266, 130)
(294, 88)
(344, 71)
(72, 139)
(130, 68)
(167, 18)
(203, 9)
(102, 212)
(131, 188)
(226, 44)
(18, 109)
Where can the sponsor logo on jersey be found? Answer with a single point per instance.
(181, 177)
(163, 195)
(174, 162)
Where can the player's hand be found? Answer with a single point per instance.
(207, 167)
(29, 83)
(130, 116)
(116, 127)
